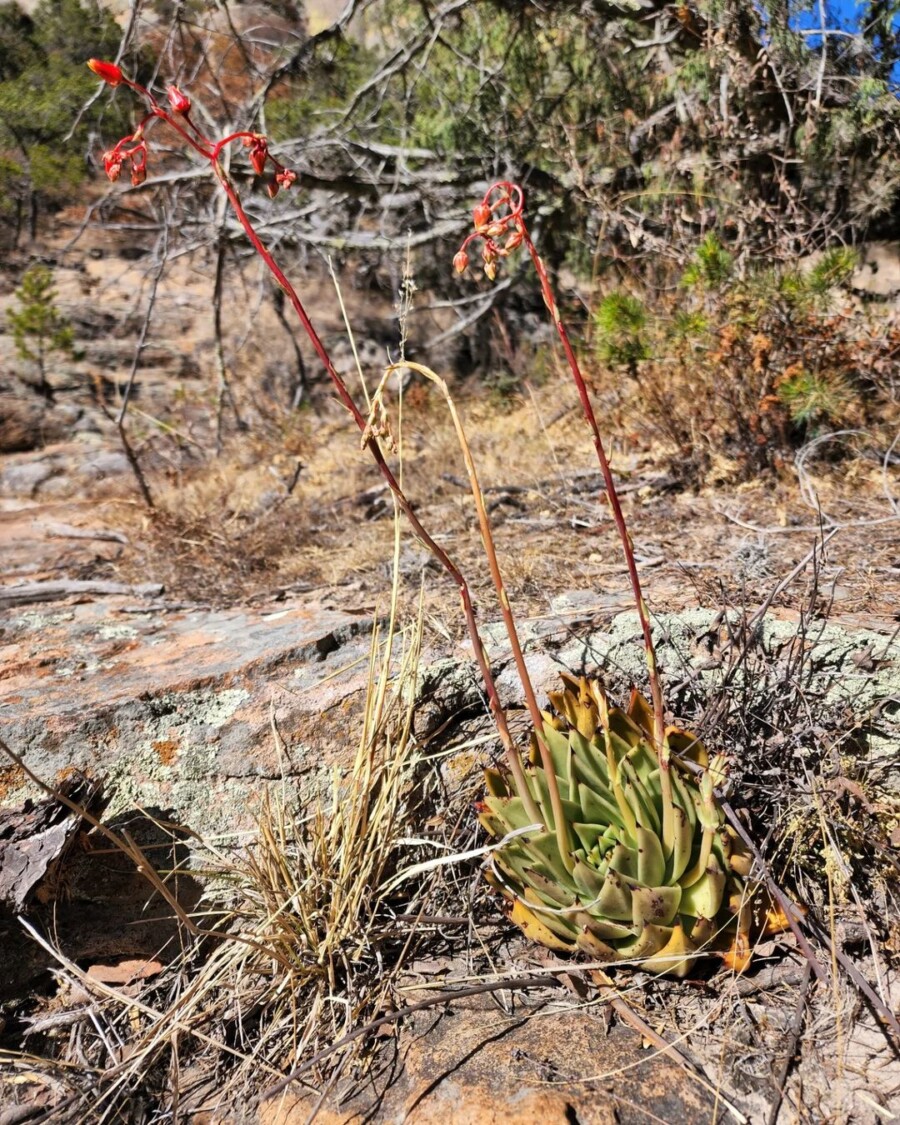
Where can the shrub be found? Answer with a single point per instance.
(747, 369)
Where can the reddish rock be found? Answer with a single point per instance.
(177, 708)
(474, 1065)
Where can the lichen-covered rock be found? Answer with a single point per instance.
(177, 709)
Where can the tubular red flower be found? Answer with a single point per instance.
(286, 178)
(179, 102)
(108, 71)
(460, 261)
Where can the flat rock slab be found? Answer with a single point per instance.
(476, 1065)
(38, 540)
(177, 709)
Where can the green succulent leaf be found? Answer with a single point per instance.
(655, 905)
(703, 899)
(614, 900)
(651, 866)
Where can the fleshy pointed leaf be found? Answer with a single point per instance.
(645, 813)
(682, 843)
(655, 905)
(641, 713)
(649, 941)
(597, 808)
(510, 811)
(624, 860)
(558, 745)
(651, 867)
(614, 900)
(595, 948)
(588, 880)
(545, 849)
(676, 956)
(603, 928)
(703, 899)
(496, 784)
(590, 761)
(535, 930)
(688, 746)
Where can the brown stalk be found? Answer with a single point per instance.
(487, 538)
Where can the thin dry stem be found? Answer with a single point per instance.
(487, 539)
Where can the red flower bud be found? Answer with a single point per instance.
(272, 189)
(461, 261)
(259, 154)
(490, 270)
(112, 164)
(108, 71)
(286, 178)
(179, 102)
(138, 174)
(514, 241)
(482, 216)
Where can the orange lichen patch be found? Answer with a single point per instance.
(11, 777)
(166, 748)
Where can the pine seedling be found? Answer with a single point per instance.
(39, 328)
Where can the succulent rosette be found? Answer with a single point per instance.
(640, 885)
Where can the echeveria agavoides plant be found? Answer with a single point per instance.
(654, 873)
(667, 854)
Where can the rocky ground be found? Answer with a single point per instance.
(200, 652)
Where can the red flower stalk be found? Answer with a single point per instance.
(259, 157)
(500, 213)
